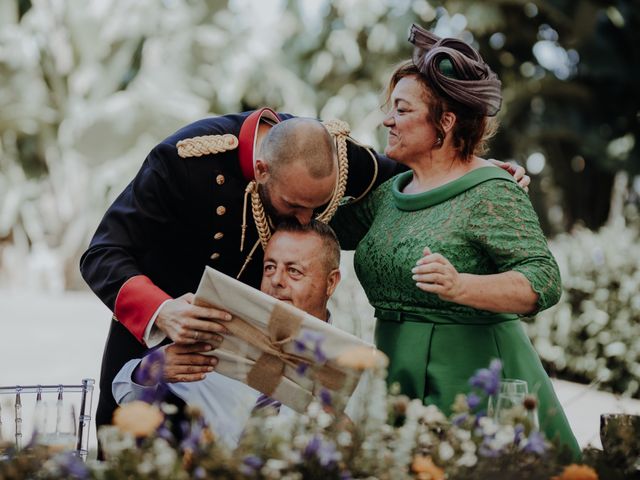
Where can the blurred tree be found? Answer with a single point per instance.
(569, 70)
(86, 88)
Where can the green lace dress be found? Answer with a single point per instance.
(483, 223)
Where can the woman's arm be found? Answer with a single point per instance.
(508, 292)
(503, 226)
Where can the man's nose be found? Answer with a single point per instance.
(278, 278)
(304, 216)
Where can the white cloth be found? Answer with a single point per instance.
(225, 403)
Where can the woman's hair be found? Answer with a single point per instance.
(472, 130)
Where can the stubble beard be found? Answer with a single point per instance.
(267, 204)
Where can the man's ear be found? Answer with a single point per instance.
(261, 170)
(333, 279)
(447, 121)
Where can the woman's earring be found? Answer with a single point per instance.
(439, 140)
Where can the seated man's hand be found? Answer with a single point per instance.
(189, 324)
(186, 363)
(518, 172)
(182, 363)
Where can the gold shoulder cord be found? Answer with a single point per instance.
(205, 145)
(339, 130)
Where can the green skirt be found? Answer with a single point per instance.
(432, 357)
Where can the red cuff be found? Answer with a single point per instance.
(137, 301)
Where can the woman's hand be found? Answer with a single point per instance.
(433, 273)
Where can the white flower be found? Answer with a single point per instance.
(462, 434)
(468, 446)
(115, 441)
(344, 439)
(445, 451)
(324, 419)
(165, 455)
(433, 415)
(467, 460)
(145, 467)
(488, 426)
(424, 439)
(314, 409)
(504, 436)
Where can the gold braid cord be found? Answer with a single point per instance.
(339, 130)
(259, 216)
(198, 146)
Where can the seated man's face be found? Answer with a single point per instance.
(296, 271)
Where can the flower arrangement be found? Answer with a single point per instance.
(590, 335)
(392, 437)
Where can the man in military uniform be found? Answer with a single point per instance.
(202, 197)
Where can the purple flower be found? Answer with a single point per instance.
(318, 353)
(199, 472)
(473, 400)
(519, 431)
(72, 466)
(301, 369)
(192, 434)
(150, 372)
(324, 451)
(327, 454)
(164, 432)
(309, 336)
(345, 475)
(325, 397)
(488, 379)
(299, 346)
(312, 447)
(251, 464)
(485, 449)
(535, 443)
(459, 419)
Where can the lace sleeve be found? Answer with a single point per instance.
(352, 221)
(505, 226)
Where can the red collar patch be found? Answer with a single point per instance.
(247, 140)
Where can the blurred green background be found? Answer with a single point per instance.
(88, 87)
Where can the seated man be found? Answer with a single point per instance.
(301, 267)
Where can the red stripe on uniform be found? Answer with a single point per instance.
(137, 301)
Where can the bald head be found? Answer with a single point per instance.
(303, 140)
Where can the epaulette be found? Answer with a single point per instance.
(206, 144)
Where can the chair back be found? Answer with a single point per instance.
(13, 414)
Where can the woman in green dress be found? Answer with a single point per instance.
(450, 253)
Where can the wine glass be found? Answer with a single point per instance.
(510, 394)
(55, 425)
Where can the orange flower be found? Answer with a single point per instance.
(362, 358)
(425, 469)
(577, 472)
(138, 418)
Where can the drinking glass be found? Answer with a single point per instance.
(55, 425)
(511, 393)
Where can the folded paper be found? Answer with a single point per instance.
(275, 347)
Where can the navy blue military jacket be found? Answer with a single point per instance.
(180, 214)
(175, 217)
